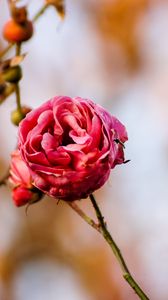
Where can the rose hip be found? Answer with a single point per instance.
(14, 32)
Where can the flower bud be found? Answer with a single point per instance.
(12, 74)
(23, 191)
(19, 115)
(16, 117)
(22, 195)
(15, 32)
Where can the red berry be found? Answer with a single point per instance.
(14, 32)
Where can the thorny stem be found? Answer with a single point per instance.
(35, 18)
(102, 229)
(87, 219)
(107, 236)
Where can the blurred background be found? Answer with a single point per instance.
(114, 52)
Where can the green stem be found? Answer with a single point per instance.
(107, 236)
(5, 51)
(18, 48)
(18, 99)
(80, 212)
(39, 13)
(17, 88)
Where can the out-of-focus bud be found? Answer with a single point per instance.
(59, 5)
(22, 195)
(18, 115)
(12, 74)
(23, 190)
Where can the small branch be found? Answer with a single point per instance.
(107, 236)
(80, 212)
(5, 51)
(17, 88)
(40, 13)
(18, 100)
(18, 49)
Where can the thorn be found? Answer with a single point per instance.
(126, 161)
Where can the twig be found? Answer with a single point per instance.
(18, 101)
(39, 13)
(18, 49)
(107, 236)
(102, 229)
(80, 212)
(17, 87)
(4, 51)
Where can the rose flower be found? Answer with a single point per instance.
(70, 146)
(23, 191)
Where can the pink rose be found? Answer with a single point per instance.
(23, 191)
(70, 145)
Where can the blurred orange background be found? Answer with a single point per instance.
(114, 52)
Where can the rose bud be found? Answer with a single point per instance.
(23, 190)
(22, 195)
(15, 32)
(69, 144)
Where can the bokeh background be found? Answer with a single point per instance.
(114, 52)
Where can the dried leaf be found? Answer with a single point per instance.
(16, 60)
(59, 5)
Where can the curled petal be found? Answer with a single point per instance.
(70, 146)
